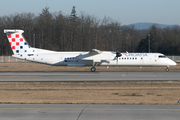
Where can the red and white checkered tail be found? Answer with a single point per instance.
(17, 42)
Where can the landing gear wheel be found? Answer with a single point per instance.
(167, 69)
(93, 69)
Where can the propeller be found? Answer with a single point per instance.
(118, 54)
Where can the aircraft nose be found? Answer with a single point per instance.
(172, 63)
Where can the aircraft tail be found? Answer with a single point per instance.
(17, 42)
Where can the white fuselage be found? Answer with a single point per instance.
(106, 58)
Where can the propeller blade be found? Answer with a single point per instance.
(117, 49)
(117, 60)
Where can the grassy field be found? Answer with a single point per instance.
(90, 92)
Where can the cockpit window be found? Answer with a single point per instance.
(162, 56)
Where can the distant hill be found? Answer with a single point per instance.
(141, 26)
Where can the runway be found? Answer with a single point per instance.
(88, 76)
(88, 112)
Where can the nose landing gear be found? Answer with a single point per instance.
(167, 69)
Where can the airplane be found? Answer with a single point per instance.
(22, 50)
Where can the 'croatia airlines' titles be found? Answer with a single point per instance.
(135, 54)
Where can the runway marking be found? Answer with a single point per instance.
(20, 76)
(103, 109)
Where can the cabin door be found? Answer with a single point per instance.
(141, 61)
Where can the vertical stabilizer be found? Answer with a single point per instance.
(17, 42)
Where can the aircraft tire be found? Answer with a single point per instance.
(167, 69)
(93, 69)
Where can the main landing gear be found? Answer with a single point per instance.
(93, 69)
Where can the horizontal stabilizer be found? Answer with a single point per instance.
(13, 31)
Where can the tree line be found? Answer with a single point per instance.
(83, 32)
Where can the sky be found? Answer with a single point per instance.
(124, 11)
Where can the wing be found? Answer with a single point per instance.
(94, 52)
(94, 55)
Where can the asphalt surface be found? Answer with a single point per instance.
(88, 112)
(88, 76)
